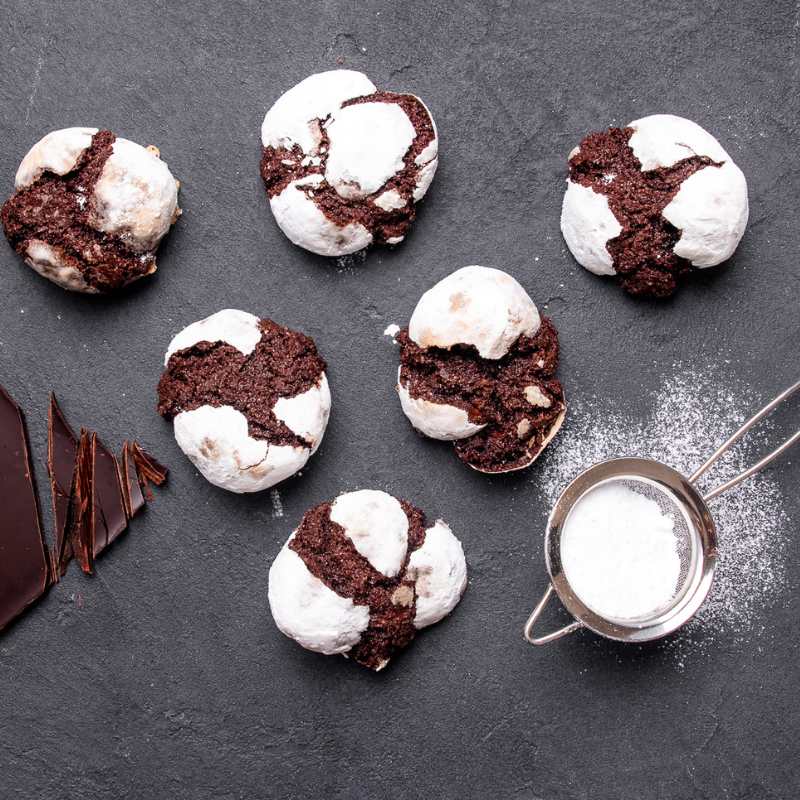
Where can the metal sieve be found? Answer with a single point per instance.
(694, 531)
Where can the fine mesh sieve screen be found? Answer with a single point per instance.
(628, 550)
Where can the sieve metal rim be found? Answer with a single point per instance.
(688, 500)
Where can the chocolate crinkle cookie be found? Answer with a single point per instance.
(248, 398)
(477, 367)
(652, 201)
(361, 575)
(90, 209)
(344, 164)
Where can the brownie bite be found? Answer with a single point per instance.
(477, 367)
(362, 574)
(344, 163)
(249, 399)
(651, 202)
(90, 209)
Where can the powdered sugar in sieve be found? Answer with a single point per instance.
(626, 549)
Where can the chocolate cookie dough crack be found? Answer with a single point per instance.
(515, 402)
(217, 374)
(332, 558)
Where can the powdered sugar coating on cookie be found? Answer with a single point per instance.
(439, 570)
(377, 525)
(588, 223)
(57, 152)
(294, 118)
(436, 420)
(136, 197)
(236, 328)
(478, 306)
(216, 441)
(344, 163)
(306, 610)
(367, 144)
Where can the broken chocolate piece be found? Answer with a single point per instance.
(62, 448)
(82, 533)
(148, 470)
(25, 567)
(110, 519)
(131, 491)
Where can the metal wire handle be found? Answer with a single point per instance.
(549, 637)
(738, 435)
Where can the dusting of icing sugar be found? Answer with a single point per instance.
(350, 262)
(690, 415)
(277, 503)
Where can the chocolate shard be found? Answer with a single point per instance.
(25, 566)
(62, 449)
(110, 518)
(82, 533)
(131, 491)
(148, 470)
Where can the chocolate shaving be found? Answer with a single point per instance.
(25, 566)
(148, 470)
(93, 499)
(83, 516)
(62, 448)
(131, 490)
(110, 516)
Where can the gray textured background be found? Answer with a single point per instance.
(164, 676)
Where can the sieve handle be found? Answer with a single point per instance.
(738, 435)
(548, 637)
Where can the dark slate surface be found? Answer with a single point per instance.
(164, 676)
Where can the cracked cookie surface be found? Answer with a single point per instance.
(248, 398)
(362, 574)
(651, 202)
(90, 209)
(344, 164)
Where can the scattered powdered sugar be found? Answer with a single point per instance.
(350, 262)
(277, 504)
(620, 553)
(690, 415)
